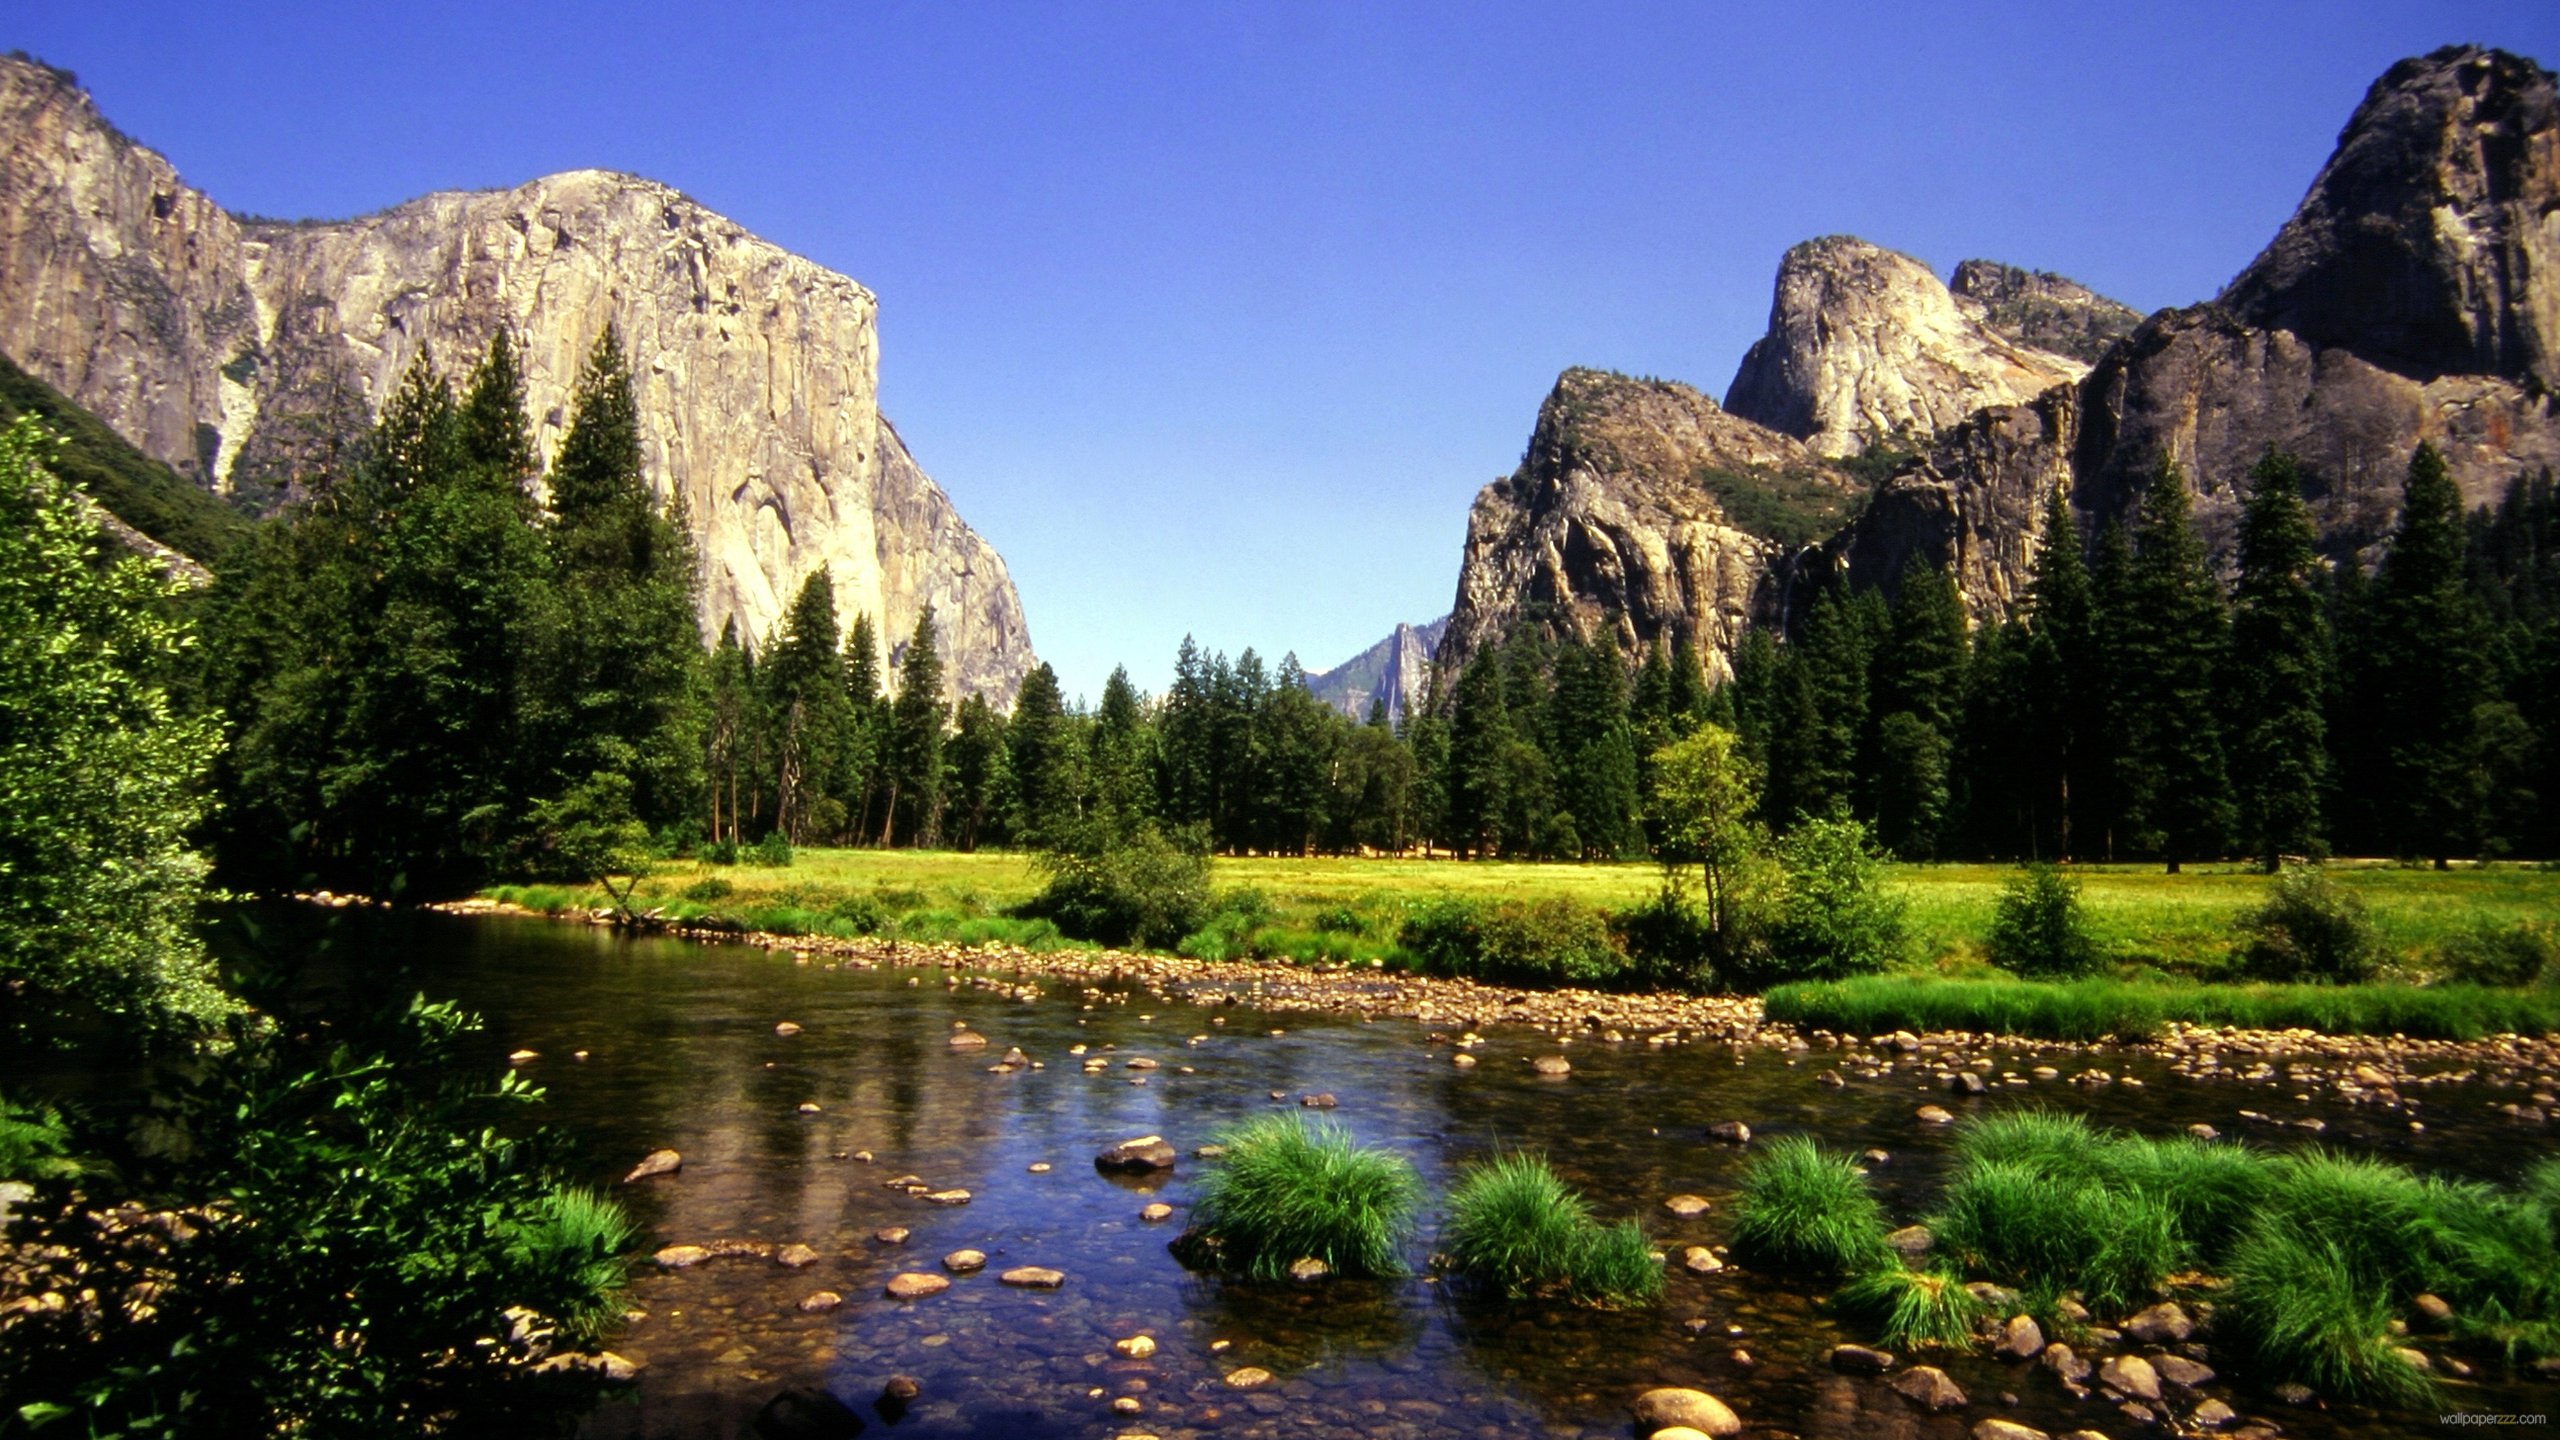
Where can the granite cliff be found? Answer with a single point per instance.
(2414, 295)
(1865, 345)
(238, 351)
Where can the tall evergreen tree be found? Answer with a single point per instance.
(1123, 741)
(2279, 678)
(804, 702)
(1044, 758)
(977, 754)
(1478, 761)
(1300, 749)
(730, 722)
(866, 728)
(2067, 755)
(2172, 634)
(916, 722)
(1594, 747)
(1919, 698)
(625, 662)
(2419, 675)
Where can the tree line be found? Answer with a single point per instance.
(434, 678)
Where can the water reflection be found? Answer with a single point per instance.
(682, 1052)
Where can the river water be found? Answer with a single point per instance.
(682, 1053)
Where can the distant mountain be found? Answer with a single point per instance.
(1392, 670)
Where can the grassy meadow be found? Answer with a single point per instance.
(2144, 919)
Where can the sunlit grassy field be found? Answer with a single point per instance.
(2181, 923)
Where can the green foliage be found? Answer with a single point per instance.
(2041, 1227)
(1795, 507)
(1802, 1206)
(1667, 940)
(773, 852)
(2040, 929)
(2088, 1010)
(1706, 799)
(1914, 1307)
(1516, 1228)
(35, 1144)
(101, 776)
(1835, 914)
(97, 462)
(1146, 891)
(709, 887)
(2511, 955)
(1289, 1188)
(913, 753)
(2279, 638)
(2166, 631)
(317, 1195)
(2304, 1313)
(2308, 930)
(1547, 941)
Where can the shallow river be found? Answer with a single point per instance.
(682, 1053)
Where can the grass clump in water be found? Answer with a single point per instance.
(2299, 1305)
(1805, 1207)
(1915, 1307)
(1514, 1226)
(1291, 1189)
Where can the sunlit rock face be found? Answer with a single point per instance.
(248, 353)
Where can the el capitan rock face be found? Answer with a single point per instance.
(2414, 296)
(240, 351)
(1866, 345)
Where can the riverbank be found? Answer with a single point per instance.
(2391, 1071)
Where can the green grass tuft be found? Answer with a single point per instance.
(2298, 1304)
(2085, 1010)
(1517, 1228)
(1290, 1188)
(1804, 1207)
(2034, 1228)
(580, 1240)
(1914, 1307)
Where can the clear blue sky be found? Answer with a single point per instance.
(1214, 317)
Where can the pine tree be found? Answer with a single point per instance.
(728, 738)
(1594, 745)
(1998, 805)
(2279, 669)
(1123, 744)
(2420, 673)
(1188, 752)
(1477, 766)
(866, 729)
(1043, 757)
(977, 753)
(2172, 635)
(1300, 749)
(2067, 751)
(626, 658)
(1919, 697)
(916, 721)
(804, 702)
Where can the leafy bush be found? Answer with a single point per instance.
(35, 1144)
(2309, 930)
(1914, 1307)
(1517, 1228)
(2488, 955)
(1668, 941)
(709, 887)
(1289, 1188)
(316, 1195)
(1546, 941)
(861, 914)
(1835, 914)
(1147, 891)
(2039, 928)
(721, 852)
(773, 852)
(1804, 1207)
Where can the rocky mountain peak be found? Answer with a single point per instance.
(2042, 310)
(2427, 245)
(1865, 344)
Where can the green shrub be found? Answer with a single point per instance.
(1914, 1307)
(1546, 941)
(2040, 928)
(859, 914)
(35, 1144)
(709, 887)
(1341, 919)
(1516, 1228)
(1805, 1208)
(2511, 957)
(2116, 1009)
(1147, 891)
(773, 852)
(1289, 1188)
(2308, 930)
(1667, 940)
(1835, 914)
